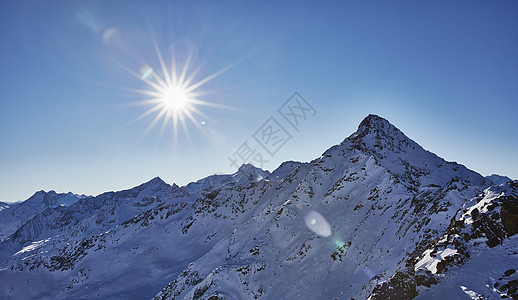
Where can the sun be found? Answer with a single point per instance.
(173, 94)
(175, 99)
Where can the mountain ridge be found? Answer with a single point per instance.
(347, 224)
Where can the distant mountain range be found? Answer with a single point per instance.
(375, 217)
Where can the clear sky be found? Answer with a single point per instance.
(444, 72)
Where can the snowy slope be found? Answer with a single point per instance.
(40, 243)
(337, 226)
(354, 222)
(161, 239)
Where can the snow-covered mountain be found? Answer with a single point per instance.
(246, 173)
(375, 216)
(12, 216)
(498, 179)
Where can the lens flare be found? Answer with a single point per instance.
(339, 244)
(145, 72)
(317, 223)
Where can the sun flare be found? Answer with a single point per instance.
(175, 99)
(173, 93)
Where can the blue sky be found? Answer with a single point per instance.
(443, 72)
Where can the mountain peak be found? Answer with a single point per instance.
(375, 131)
(40, 197)
(373, 120)
(154, 183)
(376, 124)
(401, 155)
(156, 179)
(248, 167)
(250, 171)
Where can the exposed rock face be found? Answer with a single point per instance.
(479, 226)
(509, 211)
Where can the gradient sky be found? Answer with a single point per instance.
(444, 72)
